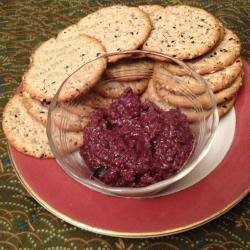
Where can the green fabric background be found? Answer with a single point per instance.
(24, 224)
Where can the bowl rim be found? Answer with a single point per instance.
(136, 191)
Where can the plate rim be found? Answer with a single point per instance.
(121, 234)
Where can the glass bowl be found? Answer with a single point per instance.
(188, 91)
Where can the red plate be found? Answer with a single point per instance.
(123, 217)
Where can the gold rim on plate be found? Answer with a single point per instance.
(119, 233)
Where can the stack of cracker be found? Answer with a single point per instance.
(183, 32)
(198, 38)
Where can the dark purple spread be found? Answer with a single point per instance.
(136, 143)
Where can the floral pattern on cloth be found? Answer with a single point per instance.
(24, 224)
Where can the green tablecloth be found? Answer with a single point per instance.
(26, 225)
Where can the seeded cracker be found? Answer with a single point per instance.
(68, 121)
(174, 83)
(181, 100)
(130, 70)
(55, 60)
(183, 32)
(222, 79)
(95, 100)
(228, 93)
(217, 81)
(225, 54)
(114, 89)
(39, 111)
(117, 27)
(68, 33)
(150, 9)
(77, 108)
(23, 132)
(74, 141)
(36, 109)
(225, 107)
(151, 95)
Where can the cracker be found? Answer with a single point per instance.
(77, 108)
(183, 32)
(68, 33)
(130, 70)
(62, 117)
(150, 8)
(216, 81)
(228, 93)
(174, 83)
(23, 132)
(42, 51)
(94, 100)
(226, 106)
(145, 95)
(185, 101)
(36, 109)
(195, 115)
(192, 115)
(223, 55)
(72, 141)
(222, 79)
(55, 60)
(114, 89)
(151, 95)
(117, 27)
(68, 121)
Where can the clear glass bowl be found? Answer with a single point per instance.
(190, 91)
